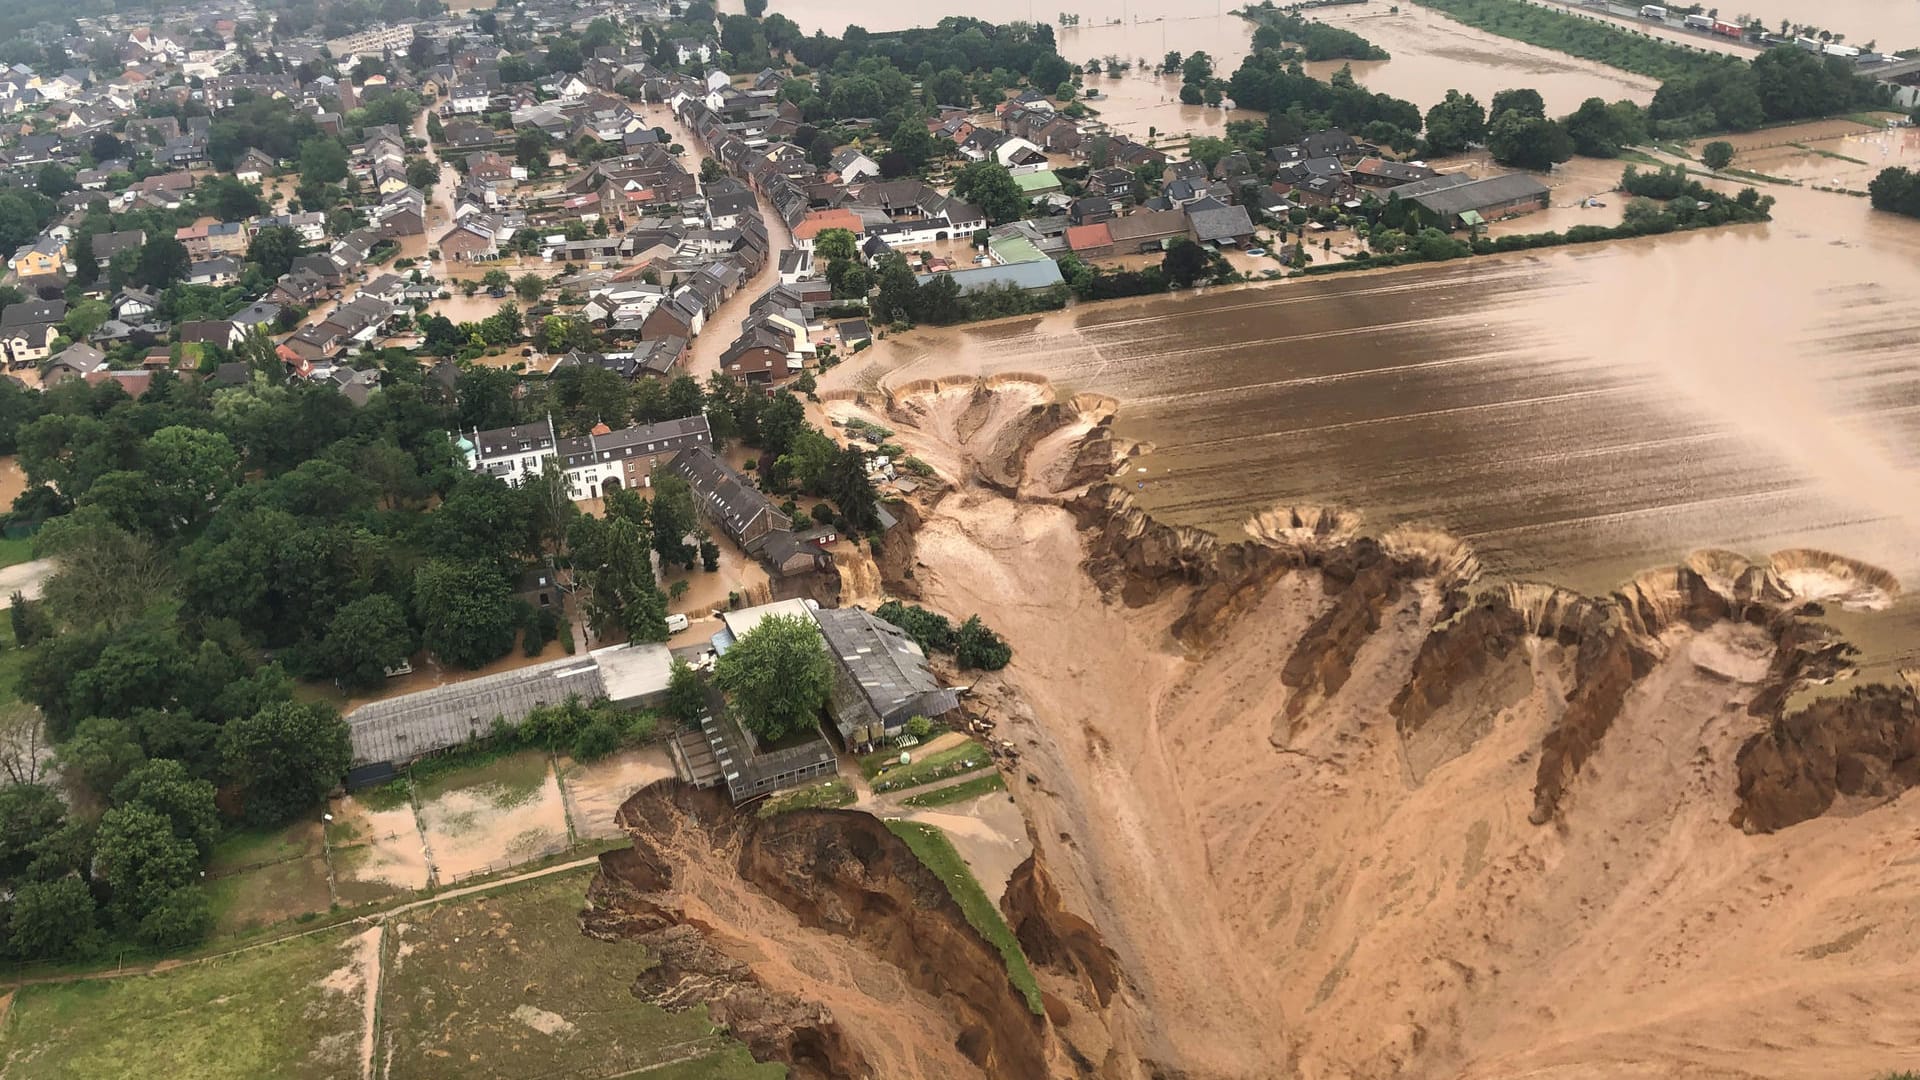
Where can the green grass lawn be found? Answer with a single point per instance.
(938, 853)
(15, 552)
(960, 792)
(471, 983)
(888, 775)
(513, 778)
(823, 796)
(262, 1013)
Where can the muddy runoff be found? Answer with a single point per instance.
(1334, 805)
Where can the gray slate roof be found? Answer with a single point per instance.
(402, 728)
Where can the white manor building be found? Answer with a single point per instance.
(601, 461)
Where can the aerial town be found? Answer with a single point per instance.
(606, 538)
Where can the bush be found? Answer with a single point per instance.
(930, 630)
(596, 740)
(919, 727)
(978, 647)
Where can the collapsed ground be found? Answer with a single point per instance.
(1328, 809)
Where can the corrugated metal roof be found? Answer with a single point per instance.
(1027, 275)
(402, 728)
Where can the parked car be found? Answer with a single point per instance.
(676, 623)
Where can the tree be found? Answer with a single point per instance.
(989, 186)
(1196, 69)
(1524, 102)
(709, 556)
(837, 244)
(137, 854)
(29, 813)
(165, 787)
(975, 646)
(911, 147)
(163, 261)
(1455, 123)
(54, 180)
(531, 148)
(181, 918)
(323, 160)
(776, 676)
(364, 639)
(711, 170)
(1528, 142)
(496, 279)
(101, 752)
(465, 612)
(673, 519)
(621, 591)
(529, 287)
(756, 8)
(1185, 262)
(54, 920)
(1602, 130)
(193, 467)
(285, 758)
(1717, 155)
(84, 318)
(274, 248)
(686, 697)
(1896, 190)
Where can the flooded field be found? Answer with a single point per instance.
(1578, 414)
(1433, 54)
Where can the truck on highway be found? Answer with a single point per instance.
(1654, 12)
(1730, 30)
(1847, 51)
(1698, 22)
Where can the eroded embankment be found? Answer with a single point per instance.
(834, 898)
(1009, 434)
(1368, 899)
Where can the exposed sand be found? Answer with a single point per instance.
(595, 791)
(989, 833)
(1300, 900)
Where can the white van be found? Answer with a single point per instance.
(676, 623)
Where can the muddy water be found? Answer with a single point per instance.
(1433, 54)
(1577, 414)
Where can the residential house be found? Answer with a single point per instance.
(1112, 183)
(45, 257)
(1214, 222)
(108, 244)
(1380, 173)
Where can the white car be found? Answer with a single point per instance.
(676, 623)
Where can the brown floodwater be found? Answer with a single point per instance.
(1433, 54)
(1577, 414)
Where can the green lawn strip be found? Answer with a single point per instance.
(1587, 39)
(1830, 154)
(260, 1013)
(470, 983)
(960, 792)
(938, 853)
(1746, 174)
(15, 552)
(516, 776)
(953, 761)
(824, 796)
(1674, 148)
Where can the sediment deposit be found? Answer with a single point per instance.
(1339, 809)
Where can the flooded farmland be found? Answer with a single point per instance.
(1578, 414)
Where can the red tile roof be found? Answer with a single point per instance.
(1084, 237)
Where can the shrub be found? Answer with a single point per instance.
(919, 727)
(596, 740)
(978, 647)
(930, 630)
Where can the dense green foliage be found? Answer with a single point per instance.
(1317, 41)
(973, 644)
(903, 300)
(1276, 83)
(1781, 84)
(776, 676)
(1585, 38)
(1896, 190)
